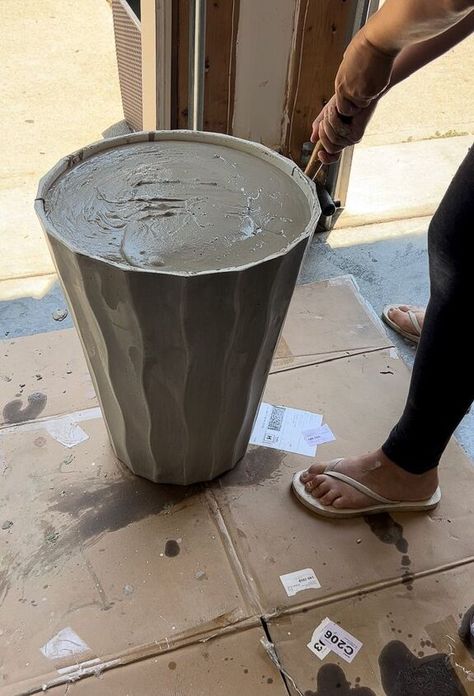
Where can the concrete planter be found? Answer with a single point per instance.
(179, 361)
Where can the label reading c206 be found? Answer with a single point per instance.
(335, 640)
(329, 636)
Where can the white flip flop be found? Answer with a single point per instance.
(411, 336)
(383, 504)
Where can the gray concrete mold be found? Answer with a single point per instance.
(179, 361)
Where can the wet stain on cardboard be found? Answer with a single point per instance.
(172, 665)
(14, 412)
(388, 531)
(260, 464)
(404, 674)
(93, 510)
(331, 681)
(466, 630)
(102, 509)
(172, 548)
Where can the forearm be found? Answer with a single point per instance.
(401, 23)
(412, 58)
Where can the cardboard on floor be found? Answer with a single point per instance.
(235, 663)
(360, 398)
(160, 589)
(410, 645)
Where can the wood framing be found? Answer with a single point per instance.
(156, 43)
(321, 33)
(221, 33)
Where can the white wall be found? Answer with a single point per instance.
(264, 39)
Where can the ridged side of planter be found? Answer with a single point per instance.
(179, 363)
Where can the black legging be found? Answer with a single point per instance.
(442, 383)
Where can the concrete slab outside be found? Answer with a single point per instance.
(60, 91)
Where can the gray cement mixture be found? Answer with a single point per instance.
(177, 206)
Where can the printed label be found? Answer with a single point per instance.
(318, 436)
(329, 636)
(299, 580)
(316, 645)
(281, 427)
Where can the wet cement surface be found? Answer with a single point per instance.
(179, 206)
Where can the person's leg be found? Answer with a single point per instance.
(442, 384)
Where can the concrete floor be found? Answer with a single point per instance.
(62, 93)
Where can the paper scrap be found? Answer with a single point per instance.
(64, 644)
(64, 429)
(315, 644)
(330, 636)
(66, 432)
(318, 436)
(281, 427)
(299, 580)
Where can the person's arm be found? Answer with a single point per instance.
(414, 57)
(368, 70)
(401, 23)
(368, 61)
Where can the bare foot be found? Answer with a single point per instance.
(400, 317)
(374, 470)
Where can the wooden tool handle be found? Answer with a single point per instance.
(314, 164)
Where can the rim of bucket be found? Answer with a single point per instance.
(262, 151)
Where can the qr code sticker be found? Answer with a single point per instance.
(276, 418)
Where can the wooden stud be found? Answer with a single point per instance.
(221, 33)
(320, 39)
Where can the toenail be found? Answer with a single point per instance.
(309, 486)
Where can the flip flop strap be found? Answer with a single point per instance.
(415, 322)
(358, 486)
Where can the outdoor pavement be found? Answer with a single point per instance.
(60, 91)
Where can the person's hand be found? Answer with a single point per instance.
(334, 134)
(363, 75)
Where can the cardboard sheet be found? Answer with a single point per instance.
(326, 321)
(361, 398)
(226, 667)
(121, 562)
(410, 642)
(43, 375)
(160, 589)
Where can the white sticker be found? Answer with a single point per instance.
(66, 432)
(316, 645)
(280, 427)
(329, 636)
(64, 644)
(64, 429)
(318, 436)
(299, 580)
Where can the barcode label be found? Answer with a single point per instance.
(276, 418)
(281, 427)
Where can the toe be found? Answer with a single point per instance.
(317, 468)
(321, 486)
(329, 498)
